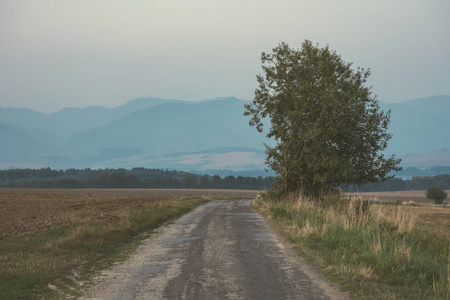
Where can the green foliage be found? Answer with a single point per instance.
(328, 127)
(436, 194)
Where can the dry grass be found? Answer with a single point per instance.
(375, 250)
(51, 243)
(357, 212)
(429, 216)
(434, 219)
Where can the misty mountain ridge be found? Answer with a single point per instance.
(22, 144)
(186, 135)
(419, 125)
(68, 121)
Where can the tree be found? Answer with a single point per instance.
(328, 127)
(436, 194)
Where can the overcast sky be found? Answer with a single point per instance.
(61, 53)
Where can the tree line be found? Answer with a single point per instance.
(122, 178)
(398, 184)
(158, 178)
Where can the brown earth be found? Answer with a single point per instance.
(28, 211)
(152, 193)
(404, 196)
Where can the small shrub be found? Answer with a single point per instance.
(436, 194)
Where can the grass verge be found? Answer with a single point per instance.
(373, 251)
(55, 263)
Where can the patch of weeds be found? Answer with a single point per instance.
(279, 211)
(372, 250)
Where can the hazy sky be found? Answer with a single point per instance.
(58, 53)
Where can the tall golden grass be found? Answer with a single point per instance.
(376, 250)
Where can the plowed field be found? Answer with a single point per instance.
(28, 211)
(403, 196)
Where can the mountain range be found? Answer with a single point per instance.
(192, 136)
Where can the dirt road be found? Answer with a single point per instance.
(222, 250)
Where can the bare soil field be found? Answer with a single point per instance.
(29, 211)
(404, 196)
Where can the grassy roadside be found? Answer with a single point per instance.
(373, 251)
(55, 262)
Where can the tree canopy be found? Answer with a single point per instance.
(436, 194)
(328, 127)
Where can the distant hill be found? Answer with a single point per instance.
(195, 136)
(16, 145)
(419, 126)
(425, 160)
(438, 106)
(174, 127)
(69, 121)
(180, 128)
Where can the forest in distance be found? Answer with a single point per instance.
(158, 178)
(122, 178)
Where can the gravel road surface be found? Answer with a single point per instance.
(222, 250)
